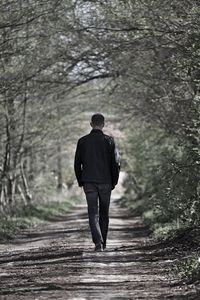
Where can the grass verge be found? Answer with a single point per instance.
(183, 238)
(30, 216)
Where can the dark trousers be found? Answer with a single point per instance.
(98, 201)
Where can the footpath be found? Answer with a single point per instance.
(55, 260)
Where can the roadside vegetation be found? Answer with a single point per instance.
(160, 187)
(32, 215)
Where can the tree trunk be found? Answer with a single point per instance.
(59, 168)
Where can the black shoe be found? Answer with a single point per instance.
(104, 246)
(98, 247)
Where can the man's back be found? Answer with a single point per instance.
(95, 159)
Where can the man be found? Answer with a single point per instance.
(97, 170)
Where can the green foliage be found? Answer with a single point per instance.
(138, 207)
(189, 269)
(164, 178)
(8, 229)
(149, 216)
(169, 231)
(43, 212)
(158, 91)
(31, 215)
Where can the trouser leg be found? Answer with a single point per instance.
(91, 193)
(104, 203)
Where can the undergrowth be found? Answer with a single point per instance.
(189, 269)
(183, 237)
(29, 216)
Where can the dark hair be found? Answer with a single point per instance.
(97, 119)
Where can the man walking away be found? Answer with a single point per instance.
(97, 171)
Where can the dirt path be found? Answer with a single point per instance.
(56, 261)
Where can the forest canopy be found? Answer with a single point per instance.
(136, 60)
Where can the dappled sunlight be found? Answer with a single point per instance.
(56, 260)
(136, 63)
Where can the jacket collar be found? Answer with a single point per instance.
(96, 131)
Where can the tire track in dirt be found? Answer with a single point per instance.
(56, 261)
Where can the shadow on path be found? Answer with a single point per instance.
(56, 261)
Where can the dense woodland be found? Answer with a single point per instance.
(139, 62)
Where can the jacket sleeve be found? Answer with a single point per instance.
(115, 166)
(78, 164)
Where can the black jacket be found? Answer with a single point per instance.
(95, 159)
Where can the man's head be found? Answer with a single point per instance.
(97, 121)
